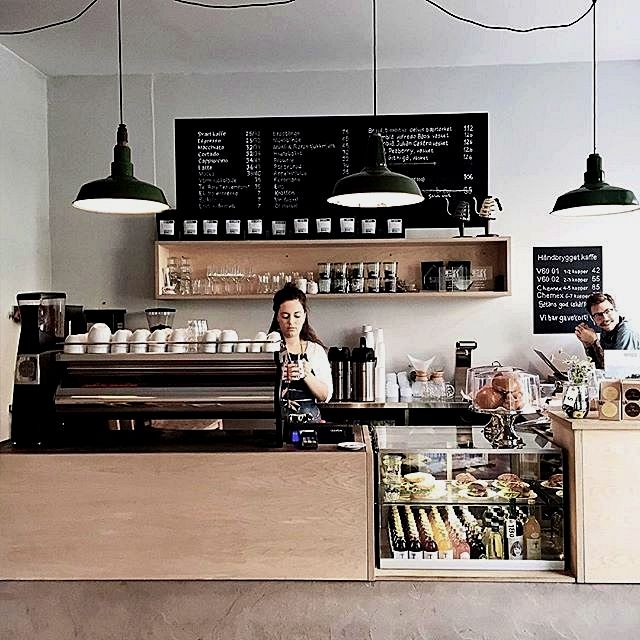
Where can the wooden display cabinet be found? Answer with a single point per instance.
(302, 256)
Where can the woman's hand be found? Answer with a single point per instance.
(292, 371)
(586, 334)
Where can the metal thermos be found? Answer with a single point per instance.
(340, 372)
(363, 367)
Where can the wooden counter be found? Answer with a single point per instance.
(603, 458)
(278, 514)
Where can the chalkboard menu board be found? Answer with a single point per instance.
(288, 165)
(563, 278)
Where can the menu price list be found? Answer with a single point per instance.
(290, 165)
(563, 278)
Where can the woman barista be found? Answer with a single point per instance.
(306, 374)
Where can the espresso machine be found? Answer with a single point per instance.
(42, 316)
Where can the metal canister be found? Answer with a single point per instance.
(363, 366)
(340, 372)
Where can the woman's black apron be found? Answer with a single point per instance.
(297, 402)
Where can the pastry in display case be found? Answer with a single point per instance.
(505, 393)
(447, 499)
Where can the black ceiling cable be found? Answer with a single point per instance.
(234, 6)
(272, 3)
(49, 26)
(515, 29)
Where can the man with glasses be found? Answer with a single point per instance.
(616, 332)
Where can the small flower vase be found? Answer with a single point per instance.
(575, 399)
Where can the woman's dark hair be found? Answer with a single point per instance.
(286, 294)
(598, 298)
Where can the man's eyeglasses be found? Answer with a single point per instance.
(602, 314)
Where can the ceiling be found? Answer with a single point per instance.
(162, 36)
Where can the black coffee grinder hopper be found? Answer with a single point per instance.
(463, 363)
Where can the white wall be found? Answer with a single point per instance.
(540, 136)
(25, 258)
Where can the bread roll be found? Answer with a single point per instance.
(505, 382)
(488, 397)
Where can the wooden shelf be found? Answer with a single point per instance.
(350, 296)
(301, 256)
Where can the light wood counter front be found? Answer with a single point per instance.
(603, 496)
(303, 515)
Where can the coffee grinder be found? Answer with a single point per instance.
(463, 363)
(41, 337)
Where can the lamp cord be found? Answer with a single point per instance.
(594, 76)
(375, 62)
(120, 58)
(281, 2)
(507, 28)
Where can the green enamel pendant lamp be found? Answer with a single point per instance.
(595, 197)
(121, 192)
(375, 185)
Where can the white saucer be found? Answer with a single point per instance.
(351, 446)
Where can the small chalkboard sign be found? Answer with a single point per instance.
(287, 165)
(563, 278)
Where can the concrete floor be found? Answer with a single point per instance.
(179, 610)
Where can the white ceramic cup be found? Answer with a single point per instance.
(243, 345)
(228, 338)
(98, 338)
(258, 342)
(210, 340)
(120, 341)
(138, 341)
(273, 344)
(178, 341)
(76, 343)
(157, 341)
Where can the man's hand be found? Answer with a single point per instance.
(586, 334)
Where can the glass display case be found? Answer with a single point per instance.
(446, 499)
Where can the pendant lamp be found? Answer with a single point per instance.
(595, 197)
(375, 185)
(121, 192)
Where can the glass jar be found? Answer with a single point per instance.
(437, 388)
(575, 399)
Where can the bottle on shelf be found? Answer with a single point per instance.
(463, 550)
(324, 277)
(513, 534)
(478, 550)
(532, 535)
(356, 277)
(185, 276)
(495, 548)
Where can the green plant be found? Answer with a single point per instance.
(579, 371)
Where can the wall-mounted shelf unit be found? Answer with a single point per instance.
(273, 256)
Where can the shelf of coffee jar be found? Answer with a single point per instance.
(303, 256)
(346, 296)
